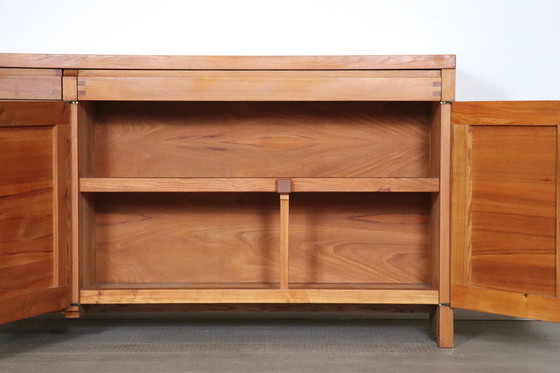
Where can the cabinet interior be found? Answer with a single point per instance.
(230, 240)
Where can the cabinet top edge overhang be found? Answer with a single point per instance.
(168, 62)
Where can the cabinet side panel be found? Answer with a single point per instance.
(514, 208)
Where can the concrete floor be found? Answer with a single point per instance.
(256, 344)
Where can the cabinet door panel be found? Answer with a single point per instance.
(34, 213)
(505, 205)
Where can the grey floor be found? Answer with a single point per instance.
(257, 344)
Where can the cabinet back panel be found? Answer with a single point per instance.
(214, 240)
(193, 238)
(360, 238)
(262, 139)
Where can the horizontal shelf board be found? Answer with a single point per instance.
(182, 285)
(151, 296)
(262, 285)
(258, 184)
(259, 307)
(365, 286)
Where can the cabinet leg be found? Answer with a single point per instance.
(74, 311)
(441, 323)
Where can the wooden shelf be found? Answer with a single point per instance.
(382, 184)
(150, 296)
(261, 285)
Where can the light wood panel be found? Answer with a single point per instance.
(225, 240)
(443, 209)
(187, 238)
(442, 326)
(70, 85)
(22, 305)
(258, 184)
(507, 303)
(284, 241)
(83, 216)
(240, 286)
(34, 213)
(505, 207)
(158, 85)
(261, 75)
(259, 307)
(30, 84)
(514, 208)
(26, 206)
(91, 61)
(170, 296)
(507, 113)
(262, 139)
(461, 217)
(62, 214)
(359, 238)
(440, 166)
(448, 84)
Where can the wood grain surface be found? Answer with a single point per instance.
(26, 208)
(39, 113)
(273, 139)
(232, 240)
(156, 85)
(214, 239)
(29, 303)
(319, 296)
(509, 303)
(30, 84)
(232, 184)
(514, 208)
(364, 238)
(506, 113)
(260, 307)
(91, 61)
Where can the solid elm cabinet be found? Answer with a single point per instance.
(272, 182)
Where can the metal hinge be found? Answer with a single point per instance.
(74, 102)
(445, 102)
(445, 304)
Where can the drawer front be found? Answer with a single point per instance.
(154, 85)
(30, 84)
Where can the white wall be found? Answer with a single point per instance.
(506, 50)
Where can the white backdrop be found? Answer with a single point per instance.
(506, 50)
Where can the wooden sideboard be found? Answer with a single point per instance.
(272, 182)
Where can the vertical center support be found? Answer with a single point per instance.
(284, 187)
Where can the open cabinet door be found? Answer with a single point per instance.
(505, 257)
(35, 225)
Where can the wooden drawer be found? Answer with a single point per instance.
(155, 85)
(30, 84)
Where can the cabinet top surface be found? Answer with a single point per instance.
(92, 61)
